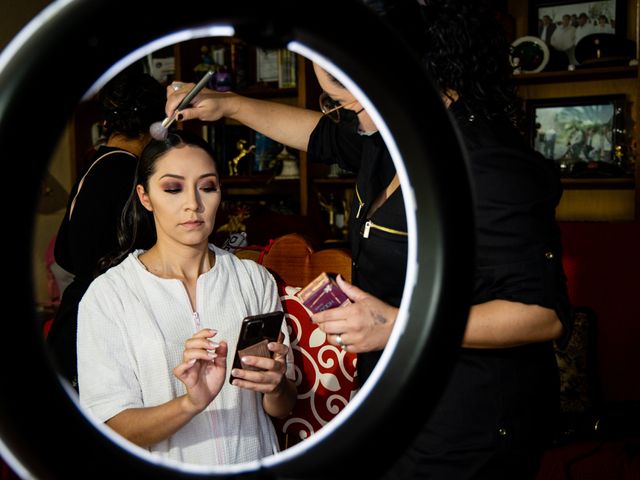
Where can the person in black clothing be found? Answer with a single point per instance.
(494, 416)
(130, 103)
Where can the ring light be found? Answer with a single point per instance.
(45, 72)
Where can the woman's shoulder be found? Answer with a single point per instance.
(230, 258)
(242, 266)
(110, 159)
(115, 279)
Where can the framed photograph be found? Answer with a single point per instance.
(585, 136)
(562, 24)
(605, 16)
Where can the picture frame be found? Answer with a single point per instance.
(615, 9)
(266, 65)
(584, 136)
(606, 17)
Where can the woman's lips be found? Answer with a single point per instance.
(192, 224)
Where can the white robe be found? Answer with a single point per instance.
(132, 326)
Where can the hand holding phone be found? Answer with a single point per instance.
(255, 334)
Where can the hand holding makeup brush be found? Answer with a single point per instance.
(160, 130)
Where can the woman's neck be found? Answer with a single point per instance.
(185, 263)
(133, 145)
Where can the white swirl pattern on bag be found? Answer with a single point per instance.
(332, 368)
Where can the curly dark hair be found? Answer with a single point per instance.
(463, 47)
(466, 51)
(131, 102)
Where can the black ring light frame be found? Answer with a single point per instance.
(42, 81)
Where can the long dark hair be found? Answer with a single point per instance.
(137, 228)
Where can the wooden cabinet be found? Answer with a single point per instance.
(269, 203)
(603, 199)
(315, 203)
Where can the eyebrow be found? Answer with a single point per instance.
(180, 177)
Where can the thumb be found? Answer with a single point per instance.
(181, 370)
(222, 350)
(353, 292)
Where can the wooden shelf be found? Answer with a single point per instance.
(621, 183)
(335, 181)
(266, 91)
(602, 73)
(255, 185)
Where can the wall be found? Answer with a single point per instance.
(601, 233)
(46, 224)
(603, 265)
(16, 14)
(599, 204)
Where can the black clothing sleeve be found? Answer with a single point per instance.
(327, 145)
(515, 191)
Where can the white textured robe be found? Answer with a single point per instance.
(132, 327)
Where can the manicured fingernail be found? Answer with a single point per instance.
(180, 117)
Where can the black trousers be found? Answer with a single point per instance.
(504, 462)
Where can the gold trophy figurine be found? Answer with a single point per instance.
(242, 152)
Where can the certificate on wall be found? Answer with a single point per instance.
(266, 65)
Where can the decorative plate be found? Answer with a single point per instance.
(530, 54)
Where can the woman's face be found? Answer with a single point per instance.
(184, 195)
(344, 97)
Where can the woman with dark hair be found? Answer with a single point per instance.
(497, 409)
(130, 103)
(154, 330)
(497, 412)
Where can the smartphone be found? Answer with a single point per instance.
(255, 333)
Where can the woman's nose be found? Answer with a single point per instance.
(193, 200)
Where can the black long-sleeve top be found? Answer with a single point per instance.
(518, 258)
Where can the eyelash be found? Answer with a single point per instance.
(174, 191)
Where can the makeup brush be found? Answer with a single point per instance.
(160, 130)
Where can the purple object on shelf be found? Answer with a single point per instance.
(222, 80)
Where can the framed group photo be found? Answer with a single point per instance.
(561, 25)
(585, 136)
(604, 16)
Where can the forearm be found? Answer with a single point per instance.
(280, 403)
(283, 123)
(504, 324)
(150, 425)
